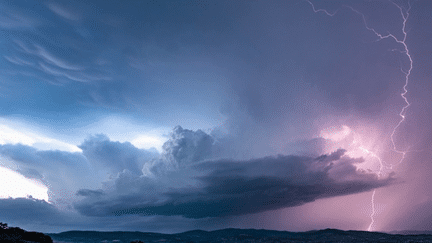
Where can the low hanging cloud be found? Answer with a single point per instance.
(227, 187)
(29, 209)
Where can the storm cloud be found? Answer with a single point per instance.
(193, 177)
(226, 187)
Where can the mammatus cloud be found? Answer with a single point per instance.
(226, 187)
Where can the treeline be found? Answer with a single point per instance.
(15, 234)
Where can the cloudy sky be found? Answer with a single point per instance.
(169, 116)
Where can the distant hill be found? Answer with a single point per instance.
(411, 232)
(15, 234)
(237, 235)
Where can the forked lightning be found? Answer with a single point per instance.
(407, 72)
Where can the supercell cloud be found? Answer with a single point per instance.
(194, 188)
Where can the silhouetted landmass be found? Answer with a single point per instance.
(15, 234)
(237, 235)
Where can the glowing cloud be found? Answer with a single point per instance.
(148, 142)
(335, 134)
(357, 145)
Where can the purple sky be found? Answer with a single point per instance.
(170, 116)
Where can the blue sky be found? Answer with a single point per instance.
(140, 111)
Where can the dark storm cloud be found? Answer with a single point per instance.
(87, 192)
(225, 187)
(37, 215)
(22, 209)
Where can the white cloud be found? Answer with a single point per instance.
(63, 12)
(50, 58)
(18, 61)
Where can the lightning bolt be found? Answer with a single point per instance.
(407, 73)
(372, 216)
(402, 114)
(321, 10)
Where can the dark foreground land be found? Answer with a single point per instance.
(17, 235)
(238, 235)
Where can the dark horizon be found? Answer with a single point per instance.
(11, 234)
(241, 235)
(402, 232)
